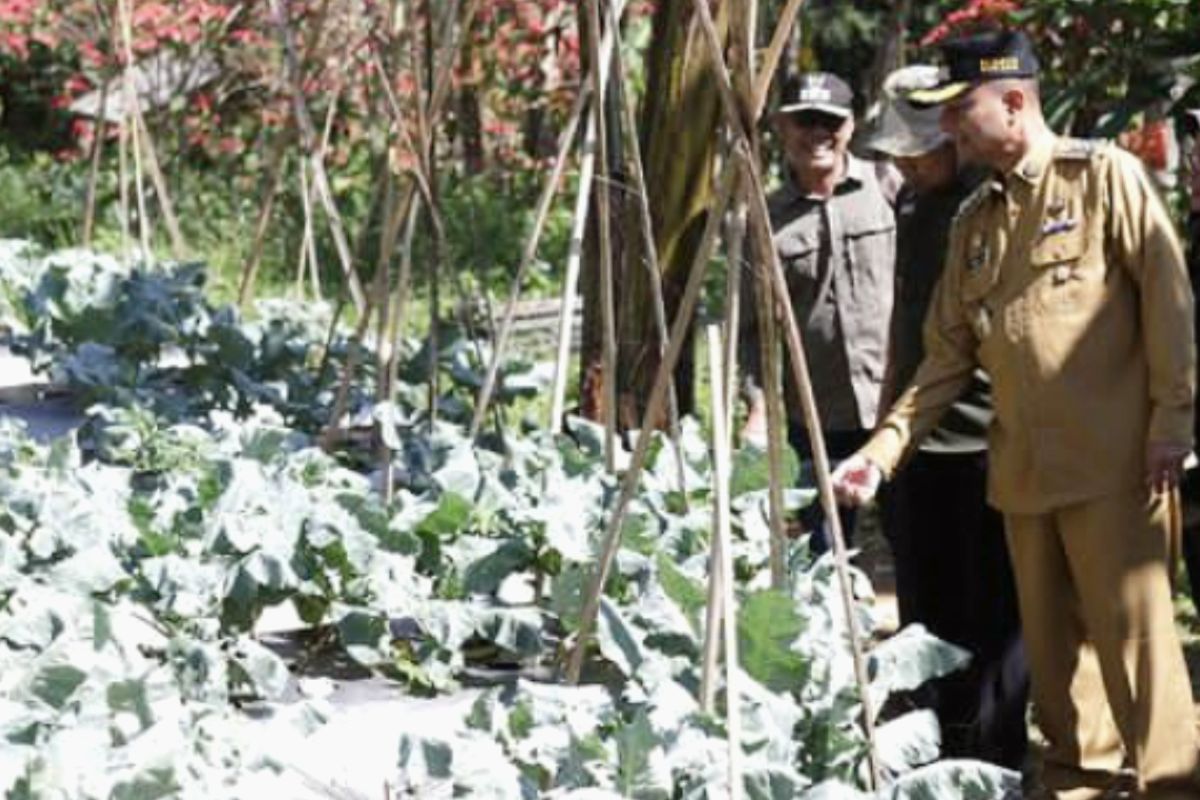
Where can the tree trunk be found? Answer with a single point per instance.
(470, 114)
(890, 56)
(679, 145)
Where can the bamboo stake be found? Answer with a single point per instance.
(768, 344)
(330, 335)
(712, 627)
(722, 566)
(566, 139)
(653, 269)
(603, 217)
(308, 136)
(334, 426)
(276, 168)
(89, 203)
(126, 25)
(308, 243)
(426, 160)
(308, 249)
(583, 196)
(404, 280)
(392, 226)
(736, 111)
(407, 206)
(143, 146)
(742, 21)
(760, 219)
(123, 178)
(566, 317)
(178, 244)
(742, 37)
(301, 267)
(390, 373)
(440, 89)
(377, 301)
(714, 615)
(378, 298)
(383, 342)
(439, 228)
(373, 301)
(138, 188)
(736, 235)
(658, 393)
(762, 85)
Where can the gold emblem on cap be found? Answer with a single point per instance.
(999, 64)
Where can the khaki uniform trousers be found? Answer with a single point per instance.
(1092, 583)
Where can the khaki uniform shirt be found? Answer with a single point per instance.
(1066, 282)
(838, 256)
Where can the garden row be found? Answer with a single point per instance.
(138, 557)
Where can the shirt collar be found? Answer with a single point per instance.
(1032, 165)
(852, 179)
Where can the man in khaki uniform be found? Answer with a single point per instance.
(1065, 281)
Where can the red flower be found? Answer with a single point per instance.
(975, 15)
(16, 44)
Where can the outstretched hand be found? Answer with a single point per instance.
(856, 480)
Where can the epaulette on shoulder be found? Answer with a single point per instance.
(1069, 149)
(972, 201)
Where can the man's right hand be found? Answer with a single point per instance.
(856, 480)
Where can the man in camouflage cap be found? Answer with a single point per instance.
(1065, 281)
(951, 565)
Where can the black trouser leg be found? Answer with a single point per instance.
(954, 577)
(1190, 488)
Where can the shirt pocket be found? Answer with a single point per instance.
(870, 245)
(1067, 282)
(799, 255)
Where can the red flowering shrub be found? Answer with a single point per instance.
(975, 15)
(521, 60)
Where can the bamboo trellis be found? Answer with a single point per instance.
(741, 116)
(743, 88)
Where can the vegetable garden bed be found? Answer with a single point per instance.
(142, 556)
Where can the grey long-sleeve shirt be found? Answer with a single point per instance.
(838, 255)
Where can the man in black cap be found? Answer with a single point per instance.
(1066, 282)
(836, 237)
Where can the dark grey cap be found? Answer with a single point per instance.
(818, 91)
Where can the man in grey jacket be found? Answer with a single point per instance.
(836, 237)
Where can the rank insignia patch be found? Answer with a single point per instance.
(1053, 226)
(977, 253)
